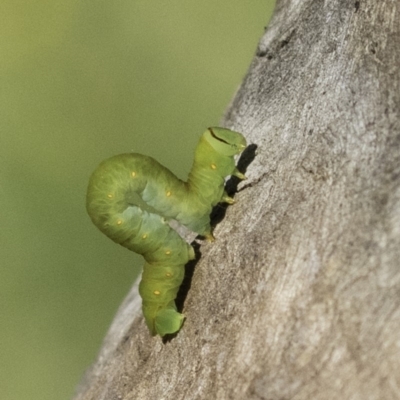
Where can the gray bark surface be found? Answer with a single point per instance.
(299, 297)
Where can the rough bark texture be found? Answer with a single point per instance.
(299, 297)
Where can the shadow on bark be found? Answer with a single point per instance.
(217, 215)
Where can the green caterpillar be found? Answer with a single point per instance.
(131, 197)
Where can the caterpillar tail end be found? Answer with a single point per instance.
(167, 321)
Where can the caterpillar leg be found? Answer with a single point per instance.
(227, 199)
(238, 174)
(209, 237)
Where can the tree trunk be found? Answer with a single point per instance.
(299, 297)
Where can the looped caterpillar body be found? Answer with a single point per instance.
(131, 196)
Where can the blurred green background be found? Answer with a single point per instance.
(81, 81)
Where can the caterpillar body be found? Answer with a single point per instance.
(131, 197)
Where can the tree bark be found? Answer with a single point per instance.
(299, 297)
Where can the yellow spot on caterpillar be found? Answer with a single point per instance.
(119, 222)
(168, 193)
(133, 174)
(168, 252)
(144, 236)
(168, 274)
(110, 195)
(213, 166)
(157, 292)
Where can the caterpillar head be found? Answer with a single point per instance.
(224, 141)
